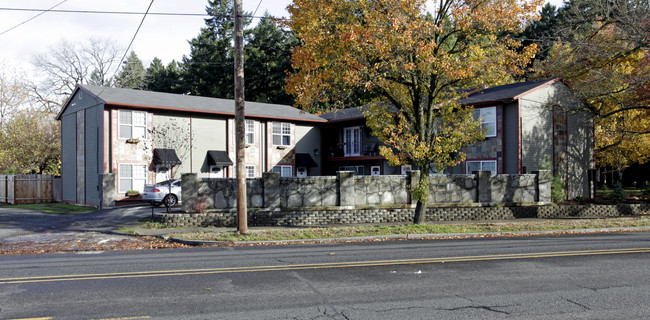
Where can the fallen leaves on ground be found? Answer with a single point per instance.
(81, 242)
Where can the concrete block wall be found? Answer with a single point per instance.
(378, 216)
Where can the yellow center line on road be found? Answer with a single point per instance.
(167, 273)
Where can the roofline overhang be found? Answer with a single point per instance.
(517, 97)
(74, 93)
(137, 106)
(147, 107)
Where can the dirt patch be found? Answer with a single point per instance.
(80, 242)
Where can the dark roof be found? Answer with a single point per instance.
(344, 114)
(218, 158)
(166, 157)
(506, 92)
(305, 160)
(170, 101)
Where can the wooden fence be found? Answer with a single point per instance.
(26, 188)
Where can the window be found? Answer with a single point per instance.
(250, 132)
(250, 171)
(488, 117)
(433, 170)
(358, 170)
(284, 171)
(490, 165)
(281, 134)
(132, 177)
(352, 140)
(133, 124)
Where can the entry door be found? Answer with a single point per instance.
(163, 174)
(216, 172)
(352, 139)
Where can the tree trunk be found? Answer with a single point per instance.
(420, 212)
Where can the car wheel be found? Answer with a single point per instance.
(156, 204)
(170, 200)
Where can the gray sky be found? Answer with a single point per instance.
(164, 37)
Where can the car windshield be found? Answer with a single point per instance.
(166, 182)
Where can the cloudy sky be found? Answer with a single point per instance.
(164, 37)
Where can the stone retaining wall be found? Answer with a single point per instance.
(376, 216)
(347, 191)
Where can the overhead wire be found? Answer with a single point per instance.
(34, 17)
(132, 39)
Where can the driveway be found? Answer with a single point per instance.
(29, 231)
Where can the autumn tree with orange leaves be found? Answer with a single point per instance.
(413, 65)
(602, 49)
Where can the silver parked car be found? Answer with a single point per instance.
(159, 193)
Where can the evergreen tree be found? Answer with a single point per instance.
(268, 53)
(132, 75)
(208, 71)
(161, 79)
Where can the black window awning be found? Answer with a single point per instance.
(218, 158)
(305, 160)
(166, 157)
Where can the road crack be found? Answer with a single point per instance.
(578, 304)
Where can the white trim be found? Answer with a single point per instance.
(482, 164)
(247, 131)
(250, 171)
(134, 181)
(487, 122)
(284, 132)
(352, 141)
(133, 125)
(284, 171)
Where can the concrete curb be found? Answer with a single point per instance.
(412, 236)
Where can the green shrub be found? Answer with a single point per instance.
(618, 193)
(558, 194)
(132, 193)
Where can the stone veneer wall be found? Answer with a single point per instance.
(376, 216)
(349, 191)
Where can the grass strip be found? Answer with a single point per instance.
(273, 233)
(60, 208)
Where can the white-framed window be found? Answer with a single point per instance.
(281, 132)
(250, 131)
(133, 124)
(483, 165)
(284, 171)
(132, 177)
(488, 118)
(250, 171)
(352, 140)
(358, 170)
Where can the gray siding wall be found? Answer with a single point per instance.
(94, 152)
(510, 134)
(207, 134)
(172, 131)
(537, 127)
(92, 147)
(580, 151)
(308, 139)
(538, 137)
(68, 157)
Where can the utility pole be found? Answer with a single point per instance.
(242, 209)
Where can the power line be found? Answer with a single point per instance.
(105, 12)
(34, 17)
(133, 39)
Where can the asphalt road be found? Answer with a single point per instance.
(603, 276)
